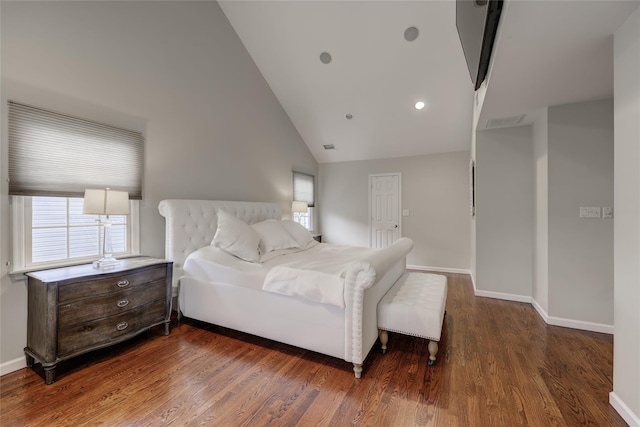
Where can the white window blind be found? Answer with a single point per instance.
(303, 188)
(53, 154)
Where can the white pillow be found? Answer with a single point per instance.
(273, 236)
(236, 237)
(298, 231)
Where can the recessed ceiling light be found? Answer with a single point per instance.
(349, 116)
(325, 57)
(329, 147)
(411, 33)
(419, 105)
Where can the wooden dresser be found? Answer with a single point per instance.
(77, 309)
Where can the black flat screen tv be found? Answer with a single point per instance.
(477, 23)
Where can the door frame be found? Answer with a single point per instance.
(371, 175)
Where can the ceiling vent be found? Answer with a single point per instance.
(504, 122)
(329, 147)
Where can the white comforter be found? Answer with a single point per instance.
(316, 274)
(318, 277)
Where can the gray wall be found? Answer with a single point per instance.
(580, 159)
(505, 211)
(530, 241)
(626, 346)
(435, 190)
(175, 71)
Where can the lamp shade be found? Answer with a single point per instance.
(299, 207)
(105, 202)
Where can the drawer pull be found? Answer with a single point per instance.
(123, 303)
(122, 326)
(123, 283)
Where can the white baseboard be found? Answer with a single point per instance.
(580, 324)
(439, 269)
(12, 365)
(570, 323)
(541, 311)
(550, 320)
(503, 296)
(625, 412)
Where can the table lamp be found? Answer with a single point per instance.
(106, 202)
(300, 207)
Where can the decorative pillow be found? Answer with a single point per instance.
(236, 237)
(298, 231)
(273, 236)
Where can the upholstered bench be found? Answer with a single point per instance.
(415, 306)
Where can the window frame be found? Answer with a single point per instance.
(303, 179)
(21, 219)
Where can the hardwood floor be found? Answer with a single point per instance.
(498, 365)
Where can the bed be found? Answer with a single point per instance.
(218, 288)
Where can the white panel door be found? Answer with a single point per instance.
(385, 210)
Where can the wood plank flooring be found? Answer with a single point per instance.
(498, 365)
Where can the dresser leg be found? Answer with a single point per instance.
(30, 361)
(49, 374)
(166, 328)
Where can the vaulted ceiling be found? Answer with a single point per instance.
(548, 53)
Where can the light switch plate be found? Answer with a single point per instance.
(589, 212)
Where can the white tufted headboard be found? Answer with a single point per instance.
(191, 224)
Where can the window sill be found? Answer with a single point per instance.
(66, 263)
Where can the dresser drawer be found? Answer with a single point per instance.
(112, 283)
(121, 301)
(91, 334)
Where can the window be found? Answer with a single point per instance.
(304, 191)
(53, 158)
(304, 188)
(57, 233)
(304, 218)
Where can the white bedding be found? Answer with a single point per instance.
(211, 264)
(316, 286)
(320, 264)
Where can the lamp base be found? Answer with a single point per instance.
(106, 263)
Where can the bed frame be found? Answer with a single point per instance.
(347, 333)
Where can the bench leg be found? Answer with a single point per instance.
(357, 369)
(433, 350)
(384, 339)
